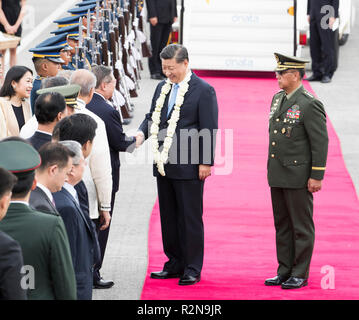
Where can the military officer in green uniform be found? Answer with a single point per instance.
(298, 147)
(49, 273)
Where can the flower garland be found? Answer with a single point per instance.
(160, 158)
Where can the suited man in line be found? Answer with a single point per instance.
(11, 260)
(180, 190)
(30, 127)
(82, 128)
(50, 108)
(322, 48)
(98, 174)
(117, 139)
(78, 225)
(161, 15)
(55, 165)
(42, 237)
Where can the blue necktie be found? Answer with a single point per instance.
(172, 101)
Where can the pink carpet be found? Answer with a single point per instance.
(239, 232)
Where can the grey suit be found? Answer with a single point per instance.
(40, 201)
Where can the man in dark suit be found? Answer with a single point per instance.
(42, 237)
(180, 182)
(11, 260)
(321, 17)
(50, 176)
(78, 224)
(298, 148)
(82, 129)
(161, 15)
(117, 139)
(50, 108)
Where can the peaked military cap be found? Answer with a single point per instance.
(71, 32)
(70, 93)
(289, 62)
(82, 11)
(88, 2)
(18, 157)
(67, 21)
(51, 53)
(58, 40)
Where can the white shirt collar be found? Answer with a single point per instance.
(44, 132)
(22, 202)
(81, 104)
(71, 190)
(102, 96)
(46, 190)
(183, 81)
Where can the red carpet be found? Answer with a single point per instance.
(239, 231)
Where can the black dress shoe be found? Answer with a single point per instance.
(156, 76)
(164, 275)
(313, 78)
(103, 284)
(294, 283)
(188, 280)
(326, 79)
(276, 281)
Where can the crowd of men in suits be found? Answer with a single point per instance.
(60, 176)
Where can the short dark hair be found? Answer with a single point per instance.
(53, 153)
(54, 82)
(78, 127)
(102, 73)
(8, 180)
(48, 105)
(23, 184)
(176, 51)
(15, 73)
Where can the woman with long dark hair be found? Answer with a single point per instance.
(13, 94)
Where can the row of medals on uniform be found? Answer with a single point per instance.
(113, 42)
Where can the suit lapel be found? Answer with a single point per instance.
(69, 196)
(190, 84)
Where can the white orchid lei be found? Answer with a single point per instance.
(160, 158)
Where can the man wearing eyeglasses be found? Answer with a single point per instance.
(298, 147)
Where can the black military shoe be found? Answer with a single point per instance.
(164, 275)
(103, 284)
(326, 79)
(276, 281)
(294, 283)
(313, 78)
(187, 280)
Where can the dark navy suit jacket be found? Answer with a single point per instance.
(315, 6)
(40, 201)
(117, 139)
(81, 239)
(11, 262)
(39, 139)
(199, 113)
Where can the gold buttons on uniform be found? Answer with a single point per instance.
(275, 131)
(273, 143)
(272, 155)
(295, 161)
(277, 120)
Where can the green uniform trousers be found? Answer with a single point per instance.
(293, 220)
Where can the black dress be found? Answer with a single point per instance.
(19, 114)
(12, 9)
